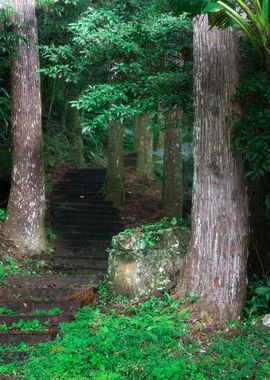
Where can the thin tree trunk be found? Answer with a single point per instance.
(172, 194)
(26, 207)
(144, 143)
(115, 169)
(215, 268)
(73, 127)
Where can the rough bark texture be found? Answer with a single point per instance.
(115, 170)
(73, 126)
(26, 207)
(172, 194)
(216, 263)
(144, 144)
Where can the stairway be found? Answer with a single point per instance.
(31, 309)
(84, 222)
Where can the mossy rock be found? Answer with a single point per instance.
(137, 268)
(263, 324)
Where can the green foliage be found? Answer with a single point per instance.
(28, 325)
(146, 340)
(251, 17)
(258, 302)
(54, 311)
(151, 231)
(3, 327)
(5, 311)
(251, 133)
(125, 61)
(2, 215)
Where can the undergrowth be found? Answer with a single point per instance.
(150, 339)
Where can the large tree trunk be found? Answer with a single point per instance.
(172, 194)
(215, 268)
(115, 169)
(26, 207)
(144, 145)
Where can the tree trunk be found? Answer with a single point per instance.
(172, 194)
(215, 267)
(73, 127)
(144, 144)
(115, 170)
(26, 207)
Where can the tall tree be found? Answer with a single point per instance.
(115, 169)
(215, 267)
(26, 207)
(144, 145)
(172, 192)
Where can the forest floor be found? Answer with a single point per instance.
(147, 339)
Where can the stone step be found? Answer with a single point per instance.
(93, 197)
(91, 263)
(78, 203)
(89, 229)
(34, 293)
(84, 235)
(100, 251)
(91, 223)
(10, 357)
(81, 271)
(52, 319)
(29, 307)
(58, 281)
(76, 241)
(86, 212)
(29, 337)
(85, 173)
(85, 218)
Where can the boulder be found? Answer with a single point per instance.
(263, 324)
(142, 261)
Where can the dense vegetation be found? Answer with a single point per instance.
(109, 79)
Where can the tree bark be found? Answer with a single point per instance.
(26, 207)
(144, 145)
(115, 169)
(215, 267)
(172, 193)
(73, 127)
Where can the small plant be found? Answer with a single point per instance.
(2, 214)
(5, 311)
(258, 302)
(3, 327)
(151, 231)
(33, 325)
(54, 311)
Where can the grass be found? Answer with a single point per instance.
(151, 340)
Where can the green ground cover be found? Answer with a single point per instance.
(152, 339)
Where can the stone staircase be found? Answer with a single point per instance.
(84, 223)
